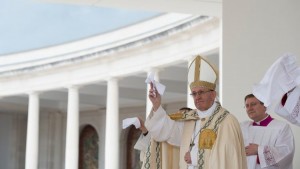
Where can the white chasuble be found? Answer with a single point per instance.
(227, 152)
(276, 145)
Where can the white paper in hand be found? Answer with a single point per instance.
(131, 121)
(158, 86)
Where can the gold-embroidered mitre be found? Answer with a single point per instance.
(202, 73)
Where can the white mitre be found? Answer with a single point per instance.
(202, 73)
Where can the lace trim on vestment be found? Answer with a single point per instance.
(269, 157)
(215, 129)
(295, 112)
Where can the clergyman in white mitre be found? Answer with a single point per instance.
(213, 138)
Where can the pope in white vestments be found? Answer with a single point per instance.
(209, 137)
(269, 142)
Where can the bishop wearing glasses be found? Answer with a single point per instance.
(209, 137)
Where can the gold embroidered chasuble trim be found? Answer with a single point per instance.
(207, 139)
(156, 151)
(184, 115)
(211, 125)
(201, 153)
(153, 158)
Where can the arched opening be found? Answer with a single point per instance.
(88, 148)
(133, 156)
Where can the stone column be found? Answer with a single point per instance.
(72, 140)
(32, 141)
(112, 140)
(190, 100)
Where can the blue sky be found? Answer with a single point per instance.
(27, 25)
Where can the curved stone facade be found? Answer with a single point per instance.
(94, 83)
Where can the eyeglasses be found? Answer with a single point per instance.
(199, 93)
(251, 105)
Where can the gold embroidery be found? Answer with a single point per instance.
(184, 115)
(207, 139)
(176, 116)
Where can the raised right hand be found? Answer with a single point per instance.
(154, 97)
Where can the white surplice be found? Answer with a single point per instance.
(281, 77)
(291, 109)
(276, 145)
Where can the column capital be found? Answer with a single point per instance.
(153, 69)
(73, 87)
(113, 78)
(34, 93)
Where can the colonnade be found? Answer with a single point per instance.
(112, 127)
(194, 35)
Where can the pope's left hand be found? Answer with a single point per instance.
(187, 158)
